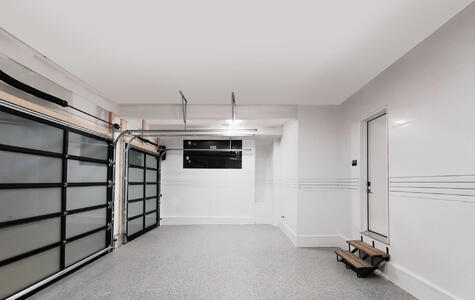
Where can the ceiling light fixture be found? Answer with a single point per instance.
(233, 122)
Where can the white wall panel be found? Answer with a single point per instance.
(264, 182)
(324, 190)
(192, 196)
(429, 96)
(287, 184)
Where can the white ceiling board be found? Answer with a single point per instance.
(268, 51)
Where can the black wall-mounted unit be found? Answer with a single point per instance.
(208, 159)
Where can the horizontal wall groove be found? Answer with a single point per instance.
(329, 184)
(435, 187)
(439, 187)
(435, 199)
(426, 181)
(434, 176)
(430, 193)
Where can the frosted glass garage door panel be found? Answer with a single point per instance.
(81, 145)
(150, 204)
(150, 220)
(79, 197)
(150, 190)
(134, 209)
(23, 273)
(85, 221)
(21, 132)
(134, 226)
(135, 175)
(82, 248)
(136, 158)
(28, 168)
(20, 239)
(151, 176)
(151, 162)
(135, 192)
(82, 171)
(24, 203)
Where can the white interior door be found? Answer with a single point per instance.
(377, 176)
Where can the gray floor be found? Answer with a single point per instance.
(218, 262)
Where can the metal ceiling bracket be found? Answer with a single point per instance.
(233, 108)
(184, 104)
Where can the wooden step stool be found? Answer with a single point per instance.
(366, 262)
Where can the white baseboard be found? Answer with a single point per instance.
(327, 240)
(407, 280)
(289, 232)
(176, 220)
(300, 240)
(413, 284)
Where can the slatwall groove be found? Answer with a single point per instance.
(441, 187)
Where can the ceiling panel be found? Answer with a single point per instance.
(268, 52)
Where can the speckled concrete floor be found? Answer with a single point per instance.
(218, 262)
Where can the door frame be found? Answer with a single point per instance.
(364, 175)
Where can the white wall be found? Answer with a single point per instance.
(430, 99)
(312, 191)
(276, 181)
(264, 182)
(286, 179)
(324, 193)
(207, 196)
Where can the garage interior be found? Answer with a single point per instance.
(237, 150)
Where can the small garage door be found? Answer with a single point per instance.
(143, 192)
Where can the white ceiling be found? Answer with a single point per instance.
(267, 51)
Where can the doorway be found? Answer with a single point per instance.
(377, 176)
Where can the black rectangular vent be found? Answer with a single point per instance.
(200, 154)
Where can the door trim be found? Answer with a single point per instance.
(364, 173)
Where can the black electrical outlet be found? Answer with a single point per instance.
(354, 163)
